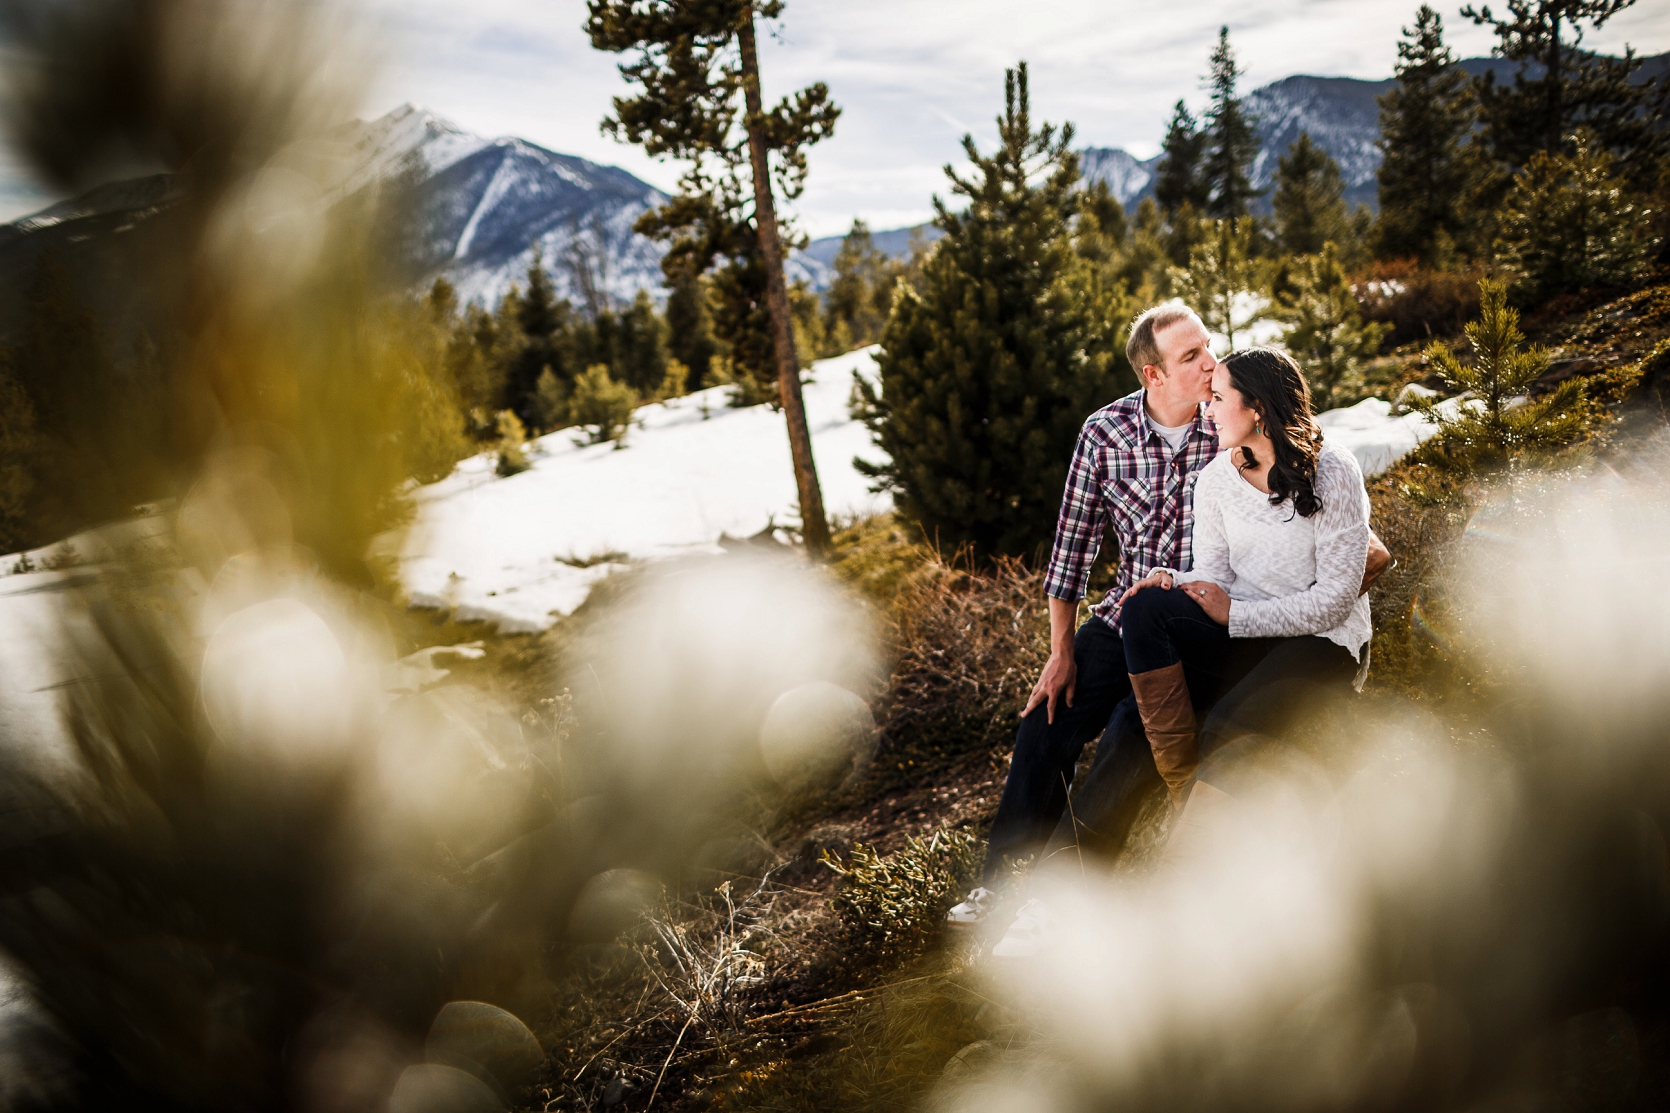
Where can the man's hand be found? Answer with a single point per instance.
(1213, 599)
(1054, 683)
(1060, 672)
(1161, 579)
(1379, 559)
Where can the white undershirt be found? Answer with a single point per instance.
(1173, 435)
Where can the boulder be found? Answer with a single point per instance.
(435, 1088)
(485, 1041)
(816, 736)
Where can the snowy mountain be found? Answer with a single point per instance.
(481, 207)
(1341, 116)
(895, 242)
(478, 209)
(1129, 178)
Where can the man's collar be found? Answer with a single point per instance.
(1146, 428)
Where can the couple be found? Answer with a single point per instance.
(1245, 558)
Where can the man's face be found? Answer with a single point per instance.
(1189, 362)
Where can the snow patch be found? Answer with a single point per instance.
(524, 550)
(1376, 436)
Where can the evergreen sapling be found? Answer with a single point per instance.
(1499, 420)
(993, 359)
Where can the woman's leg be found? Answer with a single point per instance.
(1163, 631)
(1289, 677)
(1294, 674)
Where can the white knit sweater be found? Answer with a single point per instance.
(1286, 576)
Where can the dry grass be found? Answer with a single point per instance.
(968, 647)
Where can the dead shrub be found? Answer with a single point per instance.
(1418, 302)
(968, 646)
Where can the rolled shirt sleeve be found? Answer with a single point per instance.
(1079, 526)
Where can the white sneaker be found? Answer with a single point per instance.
(973, 911)
(1026, 935)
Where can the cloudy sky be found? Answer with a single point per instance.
(911, 75)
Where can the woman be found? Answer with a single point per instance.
(1281, 537)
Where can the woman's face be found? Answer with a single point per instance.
(1229, 412)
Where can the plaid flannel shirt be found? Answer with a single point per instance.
(1123, 474)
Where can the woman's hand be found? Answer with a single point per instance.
(1153, 579)
(1212, 599)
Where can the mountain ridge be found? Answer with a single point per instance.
(482, 208)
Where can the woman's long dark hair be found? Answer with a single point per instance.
(1272, 384)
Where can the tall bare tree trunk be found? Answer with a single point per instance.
(813, 523)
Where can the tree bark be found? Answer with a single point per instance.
(814, 526)
(1553, 139)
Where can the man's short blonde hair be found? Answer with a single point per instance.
(1142, 349)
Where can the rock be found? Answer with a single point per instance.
(447, 766)
(817, 735)
(435, 1088)
(1411, 393)
(969, 1060)
(611, 902)
(485, 1041)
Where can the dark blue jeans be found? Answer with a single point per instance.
(1034, 800)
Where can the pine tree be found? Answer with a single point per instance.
(697, 65)
(541, 319)
(472, 368)
(602, 403)
(1503, 421)
(861, 293)
(19, 462)
(1574, 89)
(1231, 144)
(1309, 199)
(1326, 333)
(540, 313)
(1145, 261)
(1101, 220)
(1221, 278)
(1099, 232)
(992, 361)
(550, 401)
(742, 322)
(442, 301)
(639, 349)
(1568, 223)
(1179, 177)
(1425, 123)
(690, 326)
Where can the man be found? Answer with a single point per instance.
(1134, 471)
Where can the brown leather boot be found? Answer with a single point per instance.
(1169, 720)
